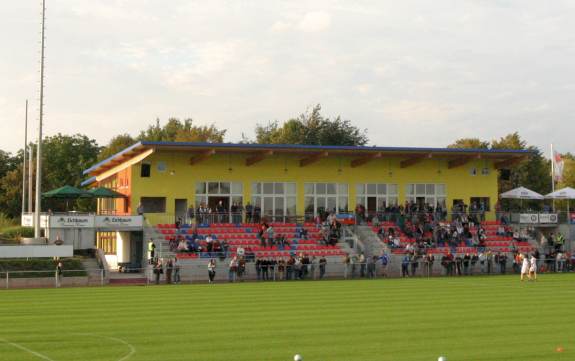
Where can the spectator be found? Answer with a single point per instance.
(158, 271)
(322, 265)
(233, 269)
(211, 270)
(169, 270)
(405, 265)
(249, 213)
(176, 266)
(362, 265)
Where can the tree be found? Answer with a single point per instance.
(311, 128)
(176, 131)
(469, 143)
(7, 163)
(534, 173)
(64, 159)
(116, 144)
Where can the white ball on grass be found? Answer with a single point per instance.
(297, 358)
(442, 358)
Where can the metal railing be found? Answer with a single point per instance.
(280, 272)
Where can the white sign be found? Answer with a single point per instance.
(119, 222)
(530, 218)
(66, 221)
(28, 221)
(548, 218)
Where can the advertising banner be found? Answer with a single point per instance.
(28, 220)
(118, 222)
(529, 218)
(66, 221)
(548, 218)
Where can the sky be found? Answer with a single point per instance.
(413, 73)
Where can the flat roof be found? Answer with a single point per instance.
(352, 151)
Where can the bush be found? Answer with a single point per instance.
(17, 232)
(6, 222)
(47, 265)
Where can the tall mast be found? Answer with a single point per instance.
(39, 147)
(24, 160)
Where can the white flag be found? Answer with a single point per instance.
(557, 167)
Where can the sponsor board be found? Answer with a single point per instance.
(529, 218)
(28, 220)
(548, 218)
(119, 222)
(67, 221)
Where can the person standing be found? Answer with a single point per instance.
(151, 251)
(233, 269)
(58, 274)
(169, 270)
(158, 270)
(211, 270)
(177, 278)
(524, 267)
(322, 265)
(533, 269)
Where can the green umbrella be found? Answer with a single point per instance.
(67, 192)
(102, 192)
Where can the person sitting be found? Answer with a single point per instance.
(182, 246)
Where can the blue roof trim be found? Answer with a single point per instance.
(305, 147)
(111, 157)
(88, 181)
(335, 147)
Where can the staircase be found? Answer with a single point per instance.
(93, 271)
(162, 245)
(370, 242)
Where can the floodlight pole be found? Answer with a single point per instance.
(37, 226)
(24, 160)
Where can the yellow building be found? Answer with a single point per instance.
(164, 179)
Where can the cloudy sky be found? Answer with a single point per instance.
(414, 73)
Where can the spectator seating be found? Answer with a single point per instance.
(245, 235)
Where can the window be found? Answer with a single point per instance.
(153, 204)
(430, 194)
(325, 197)
(106, 241)
(482, 204)
(376, 197)
(276, 199)
(145, 170)
(209, 193)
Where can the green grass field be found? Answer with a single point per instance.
(474, 318)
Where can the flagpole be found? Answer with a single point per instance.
(38, 198)
(553, 174)
(24, 160)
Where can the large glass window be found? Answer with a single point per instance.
(276, 199)
(429, 194)
(211, 193)
(325, 197)
(376, 197)
(153, 204)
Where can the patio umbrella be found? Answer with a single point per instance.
(102, 192)
(521, 193)
(567, 193)
(67, 193)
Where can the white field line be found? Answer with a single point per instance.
(25, 349)
(119, 340)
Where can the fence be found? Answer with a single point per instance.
(274, 272)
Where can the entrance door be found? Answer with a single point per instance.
(420, 203)
(371, 205)
(137, 248)
(181, 207)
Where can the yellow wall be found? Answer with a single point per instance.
(460, 184)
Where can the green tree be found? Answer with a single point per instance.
(311, 128)
(533, 173)
(469, 143)
(64, 159)
(116, 144)
(7, 163)
(177, 131)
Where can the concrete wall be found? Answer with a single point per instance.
(123, 247)
(36, 251)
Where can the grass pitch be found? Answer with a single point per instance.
(474, 318)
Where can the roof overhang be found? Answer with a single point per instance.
(307, 153)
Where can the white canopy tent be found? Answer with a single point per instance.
(521, 193)
(567, 193)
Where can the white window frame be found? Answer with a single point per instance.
(203, 197)
(436, 194)
(387, 197)
(338, 195)
(284, 196)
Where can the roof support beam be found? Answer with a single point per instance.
(363, 160)
(458, 162)
(508, 163)
(414, 160)
(312, 159)
(202, 156)
(258, 157)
